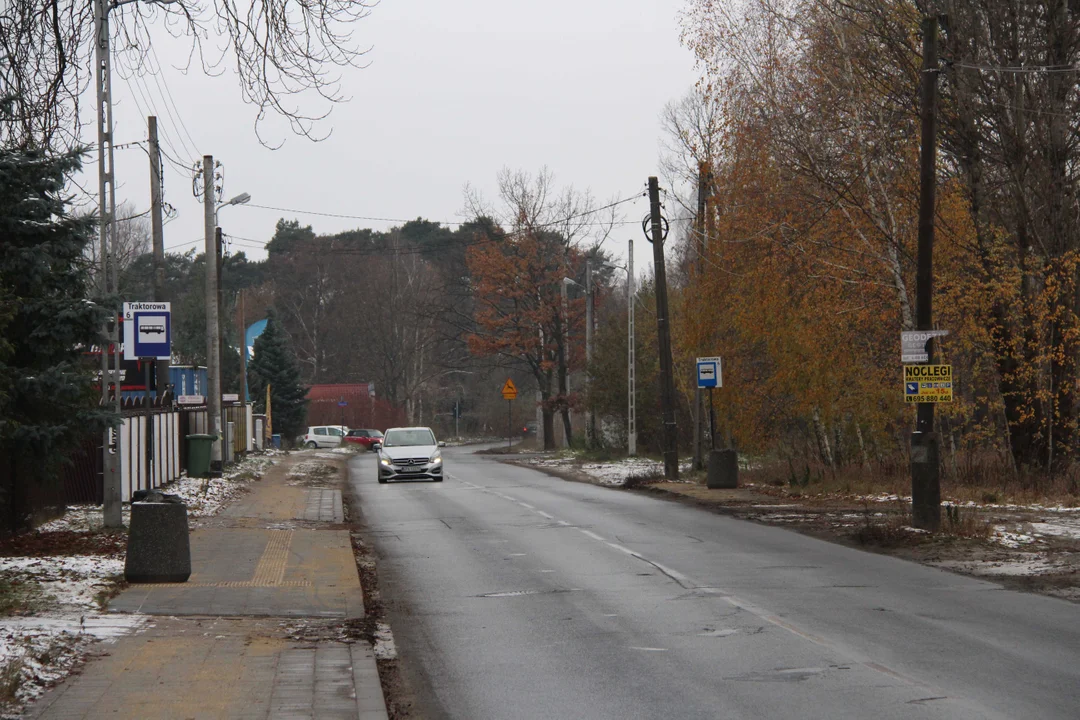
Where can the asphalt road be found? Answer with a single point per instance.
(513, 594)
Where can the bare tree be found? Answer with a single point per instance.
(544, 230)
(133, 239)
(279, 49)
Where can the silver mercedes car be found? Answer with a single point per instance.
(410, 453)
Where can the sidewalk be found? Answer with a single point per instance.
(259, 631)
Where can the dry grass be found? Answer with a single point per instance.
(981, 480)
(19, 598)
(11, 679)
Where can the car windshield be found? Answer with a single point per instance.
(405, 438)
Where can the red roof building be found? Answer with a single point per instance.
(352, 404)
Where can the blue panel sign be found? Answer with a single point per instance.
(147, 330)
(709, 372)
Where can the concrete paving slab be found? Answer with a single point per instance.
(221, 668)
(287, 573)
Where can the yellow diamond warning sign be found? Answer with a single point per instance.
(928, 383)
(509, 391)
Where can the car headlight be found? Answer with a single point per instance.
(436, 458)
(385, 461)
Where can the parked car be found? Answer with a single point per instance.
(322, 436)
(410, 453)
(529, 430)
(363, 438)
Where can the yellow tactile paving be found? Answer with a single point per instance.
(271, 567)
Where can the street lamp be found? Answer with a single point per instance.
(238, 200)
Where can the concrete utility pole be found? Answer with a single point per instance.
(667, 378)
(631, 380)
(111, 440)
(157, 230)
(213, 346)
(925, 483)
(241, 332)
(219, 250)
(565, 353)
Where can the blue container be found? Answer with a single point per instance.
(275, 442)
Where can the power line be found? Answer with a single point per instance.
(1014, 68)
(541, 226)
(172, 101)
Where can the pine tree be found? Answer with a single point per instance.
(274, 363)
(47, 400)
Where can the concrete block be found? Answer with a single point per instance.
(158, 548)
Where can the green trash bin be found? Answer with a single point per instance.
(199, 446)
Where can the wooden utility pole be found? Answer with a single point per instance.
(213, 348)
(161, 367)
(667, 378)
(925, 483)
(699, 229)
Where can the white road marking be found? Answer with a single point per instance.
(690, 584)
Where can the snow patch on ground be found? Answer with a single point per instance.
(1003, 536)
(1065, 528)
(617, 472)
(613, 473)
(73, 581)
(206, 497)
(67, 591)
(384, 649)
(1021, 565)
(41, 649)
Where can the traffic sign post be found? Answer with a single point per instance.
(147, 337)
(147, 330)
(710, 375)
(509, 393)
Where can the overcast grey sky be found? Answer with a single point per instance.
(454, 91)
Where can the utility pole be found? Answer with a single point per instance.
(213, 347)
(241, 332)
(590, 431)
(565, 355)
(925, 483)
(631, 380)
(111, 443)
(667, 379)
(161, 367)
(219, 248)
(699, 404)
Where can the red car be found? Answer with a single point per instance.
(363, 437)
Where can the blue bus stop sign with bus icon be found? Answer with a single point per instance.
(147, 330)
(709, 372)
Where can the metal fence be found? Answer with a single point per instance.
(83, 473)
